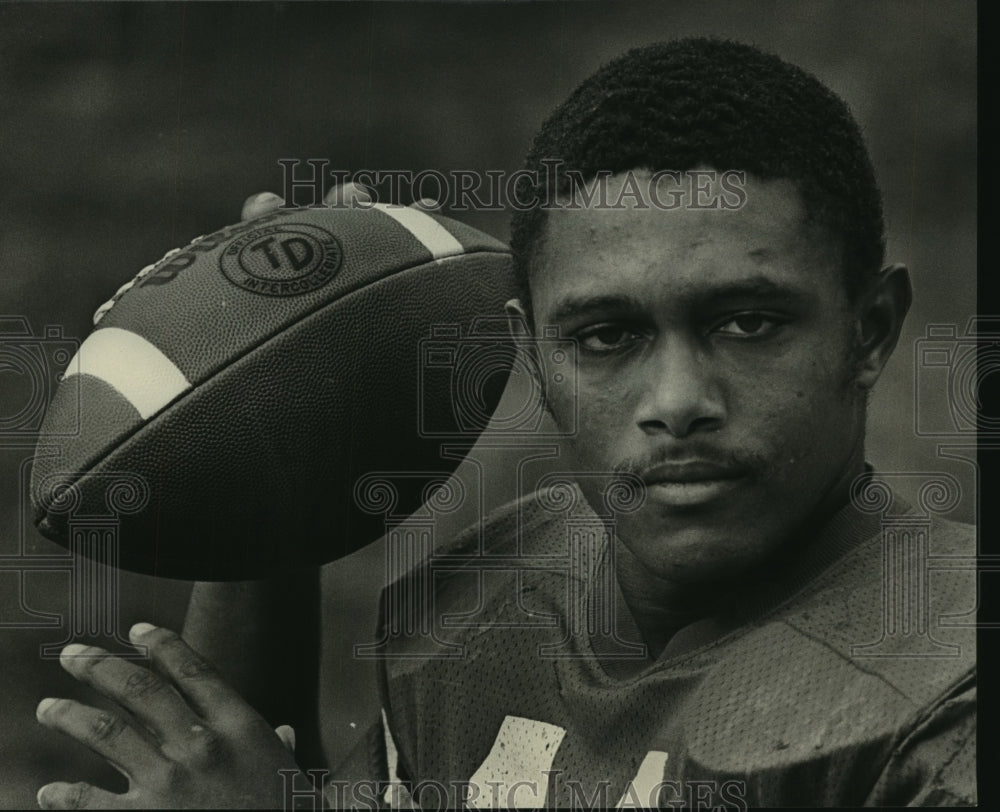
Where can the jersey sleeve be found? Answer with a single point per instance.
(935, 765)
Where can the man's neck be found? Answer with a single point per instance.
(659, 606)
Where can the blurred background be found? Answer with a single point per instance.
(128, 129)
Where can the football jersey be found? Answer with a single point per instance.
(512, 674)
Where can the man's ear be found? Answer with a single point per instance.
(520, 330)
(517, 318)
(881, 311)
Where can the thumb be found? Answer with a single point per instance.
(287, 735)
(260, 203)
(350, 195)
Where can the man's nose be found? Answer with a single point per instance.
(681, 394)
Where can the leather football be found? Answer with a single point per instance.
(233, 395)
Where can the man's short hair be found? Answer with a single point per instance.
(727, 105)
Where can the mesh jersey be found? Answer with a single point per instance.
(511, 673)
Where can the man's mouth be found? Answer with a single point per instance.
(691, 483)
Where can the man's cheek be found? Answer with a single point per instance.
(592, 448)
(562, 406)
(581, 411)
(602, 427)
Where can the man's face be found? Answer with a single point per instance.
(715, 360)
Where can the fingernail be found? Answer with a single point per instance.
(361, 199)
(350, 194)
(266, 197)
(38, 797)
(73, 650)
(43, 706)
(139, 629)
(287, 735)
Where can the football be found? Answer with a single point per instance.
(235, 395)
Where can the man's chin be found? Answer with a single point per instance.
(691, 552)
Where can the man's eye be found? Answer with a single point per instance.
(605, 337)
(749, 324)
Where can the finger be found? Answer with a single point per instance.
(261, 203)
(196, 680)
(349, 195)
(109, 734)
(61, 795)
(287, 735)
(148, 697)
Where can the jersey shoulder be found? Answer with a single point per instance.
(901, 606)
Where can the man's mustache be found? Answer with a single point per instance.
(732, 462)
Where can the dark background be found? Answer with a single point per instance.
(128, 129)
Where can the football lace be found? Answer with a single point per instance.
(104, 308)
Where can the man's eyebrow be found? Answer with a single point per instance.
(754, 288)
(762, 254)
(575, 306)
(760, 287)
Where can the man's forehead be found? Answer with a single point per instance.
(623, 243)
(702, 199)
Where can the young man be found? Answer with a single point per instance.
(688, 618)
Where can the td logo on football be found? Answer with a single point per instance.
(282, 259)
